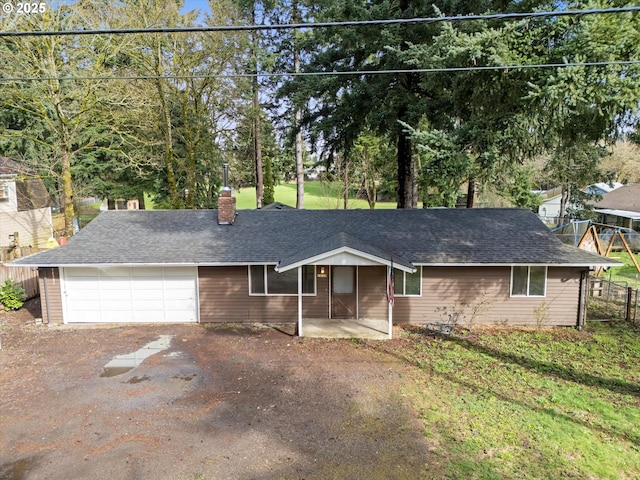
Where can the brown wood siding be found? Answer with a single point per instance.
(372, 290)
(224, 297)
(318, 306)
(50, 295)
(480, 295)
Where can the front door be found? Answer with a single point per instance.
(343, 292)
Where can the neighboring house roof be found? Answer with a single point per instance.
(418, 236)
(549, 194)
(602, 188)
(625, 198)
(30, 190)
(277, 206)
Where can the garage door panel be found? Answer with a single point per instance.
(148, 305)
(82, 305)
(114, 283)
(183, 294)
(116, 305)
(80, 272)
(174, 305)
(122, 272)
(117, 316)
(115, 295)
(148, 294)
(174, 283)
(148, 316)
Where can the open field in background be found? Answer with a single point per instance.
(317, 195)
(555, 403)
(626, 275)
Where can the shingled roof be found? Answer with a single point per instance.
(625, 198)
(420, 237)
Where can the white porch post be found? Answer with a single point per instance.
(389, 305)
(300, 301)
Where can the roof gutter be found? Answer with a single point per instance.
(15, 264)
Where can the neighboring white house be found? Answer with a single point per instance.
(549, 209)
(25, 207)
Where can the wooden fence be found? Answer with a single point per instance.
(27, 277)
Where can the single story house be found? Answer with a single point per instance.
(621, 207)
(465, 266)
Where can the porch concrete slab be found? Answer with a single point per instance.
(371, 329)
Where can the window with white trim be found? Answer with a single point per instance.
(4, 191)
(264, 280)
(528, 281)
(407, 284)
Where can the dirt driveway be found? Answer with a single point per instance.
(224, 403)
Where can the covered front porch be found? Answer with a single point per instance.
(366, 328)
(354, 288)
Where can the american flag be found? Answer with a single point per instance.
(391, 286)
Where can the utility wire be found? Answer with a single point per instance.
(326, 73)
(292, 26)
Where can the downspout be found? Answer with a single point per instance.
(300, 301)
(582, 299)
(389, 305)
(46, 295)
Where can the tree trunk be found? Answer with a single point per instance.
(257, 147)
(471, 192)
(405, 160)
(67, 193)
(298, 119)
(190, 141)
(414, 184)
(564, 200)
(257, 144)
(405, 172)
(345, 194)
(168, 140)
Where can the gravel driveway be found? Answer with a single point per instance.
(218, 403)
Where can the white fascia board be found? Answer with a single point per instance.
(103, 265)
(130, 264)
(317, 259)
(619, 213)
(613, 263)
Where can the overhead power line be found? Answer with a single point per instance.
(325, 73)
(355, 23)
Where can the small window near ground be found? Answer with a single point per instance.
(528, 281)
(407, 284)
(264, 280)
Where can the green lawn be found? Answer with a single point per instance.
(545, 404)
(317, 195)
(627, 274)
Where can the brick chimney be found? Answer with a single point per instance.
(226, 203)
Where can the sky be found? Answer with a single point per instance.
(202, 5)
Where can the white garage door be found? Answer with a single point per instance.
(137, 294)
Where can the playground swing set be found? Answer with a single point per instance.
(590, 241)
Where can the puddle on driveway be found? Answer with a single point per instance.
(144, 378)
(15, 470)
(124, 363)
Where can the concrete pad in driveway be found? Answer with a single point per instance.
(365, 328)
